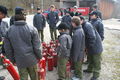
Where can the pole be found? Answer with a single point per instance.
(77, 3)
(42, 4)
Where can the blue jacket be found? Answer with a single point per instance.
(52, 19)
(39, 21)
(67, 19)
(99, 27)
(92, 39)
(78, 45)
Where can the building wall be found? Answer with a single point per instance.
(107, 8)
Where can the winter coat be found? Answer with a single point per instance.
(22, 45)
(65, 41)
(39, 21)
(92, 39)
(52, 19)
(99, 27)
(3, 28)
(67, 19)
(78, 45)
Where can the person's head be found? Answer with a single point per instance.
(94, 15)
(75, 21)
(39, 10)
(19, 17)
(3, 12)
(95, 7)
(52, 8)
(63, 27)
(67, 13)
(19, 10)
(75, 8)
(82, 19)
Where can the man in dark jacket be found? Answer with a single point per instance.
(78, 47)
(63, 50)
(90, 36)
(22, 47)
(39, 22)
(97, 23)
(75, 12)
(18, 10)
(3, 28)
(94, 49)
(52, 19)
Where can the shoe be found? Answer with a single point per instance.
(94, 78)
(87, 71)
(2, 78)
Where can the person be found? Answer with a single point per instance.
(22, 47)
(63, 50)
(39, 22)
(97, 23)
(67, 19)
(52, 19)
(3, 29)
(94, 49)
(18, 10)
(75, 12)
(90, 36)
(78, 48)
(95, 9)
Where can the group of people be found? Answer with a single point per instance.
(77, 39)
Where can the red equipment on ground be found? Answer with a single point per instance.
(68, 70)
(9, 66)
(50, 63)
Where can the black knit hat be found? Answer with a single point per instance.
(94, 13)
(38, 8)
(3, 10)
(63, 26)
(18, 10)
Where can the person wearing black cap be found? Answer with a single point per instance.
(22, 47)
(18, 10)
(67, 19)
(39, 22)
(3, 28)
(97, 24)
(63, 50)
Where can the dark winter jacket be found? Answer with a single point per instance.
(52, 19)
(22, 45)
(65, 41)
(39, 21)
(12, 19)
(3, 28)
(92, 39)
(67, 19)
(99, 27)
(78, 45)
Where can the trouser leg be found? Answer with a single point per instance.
(62, 68)
(97, 65)
(23, 74)
(78, 69)
(51, 33)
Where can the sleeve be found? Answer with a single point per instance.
(36, 44)
(90, 35)
(34, 21)
(48, 18)
(9, 49)
(44, 21)
(57, 18)
(63, 45)
(101, 30)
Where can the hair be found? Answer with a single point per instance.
(76, 20)
(52, 6)
(19, 17)
(82, 18)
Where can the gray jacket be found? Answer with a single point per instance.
(65, 41)
(3, 28)
(78, 46)
(39, 21)
(22, 45)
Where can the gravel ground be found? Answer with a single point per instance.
(110, 57)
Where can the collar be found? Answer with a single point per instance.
(83, 24)
(78, 27)
(22, 22)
